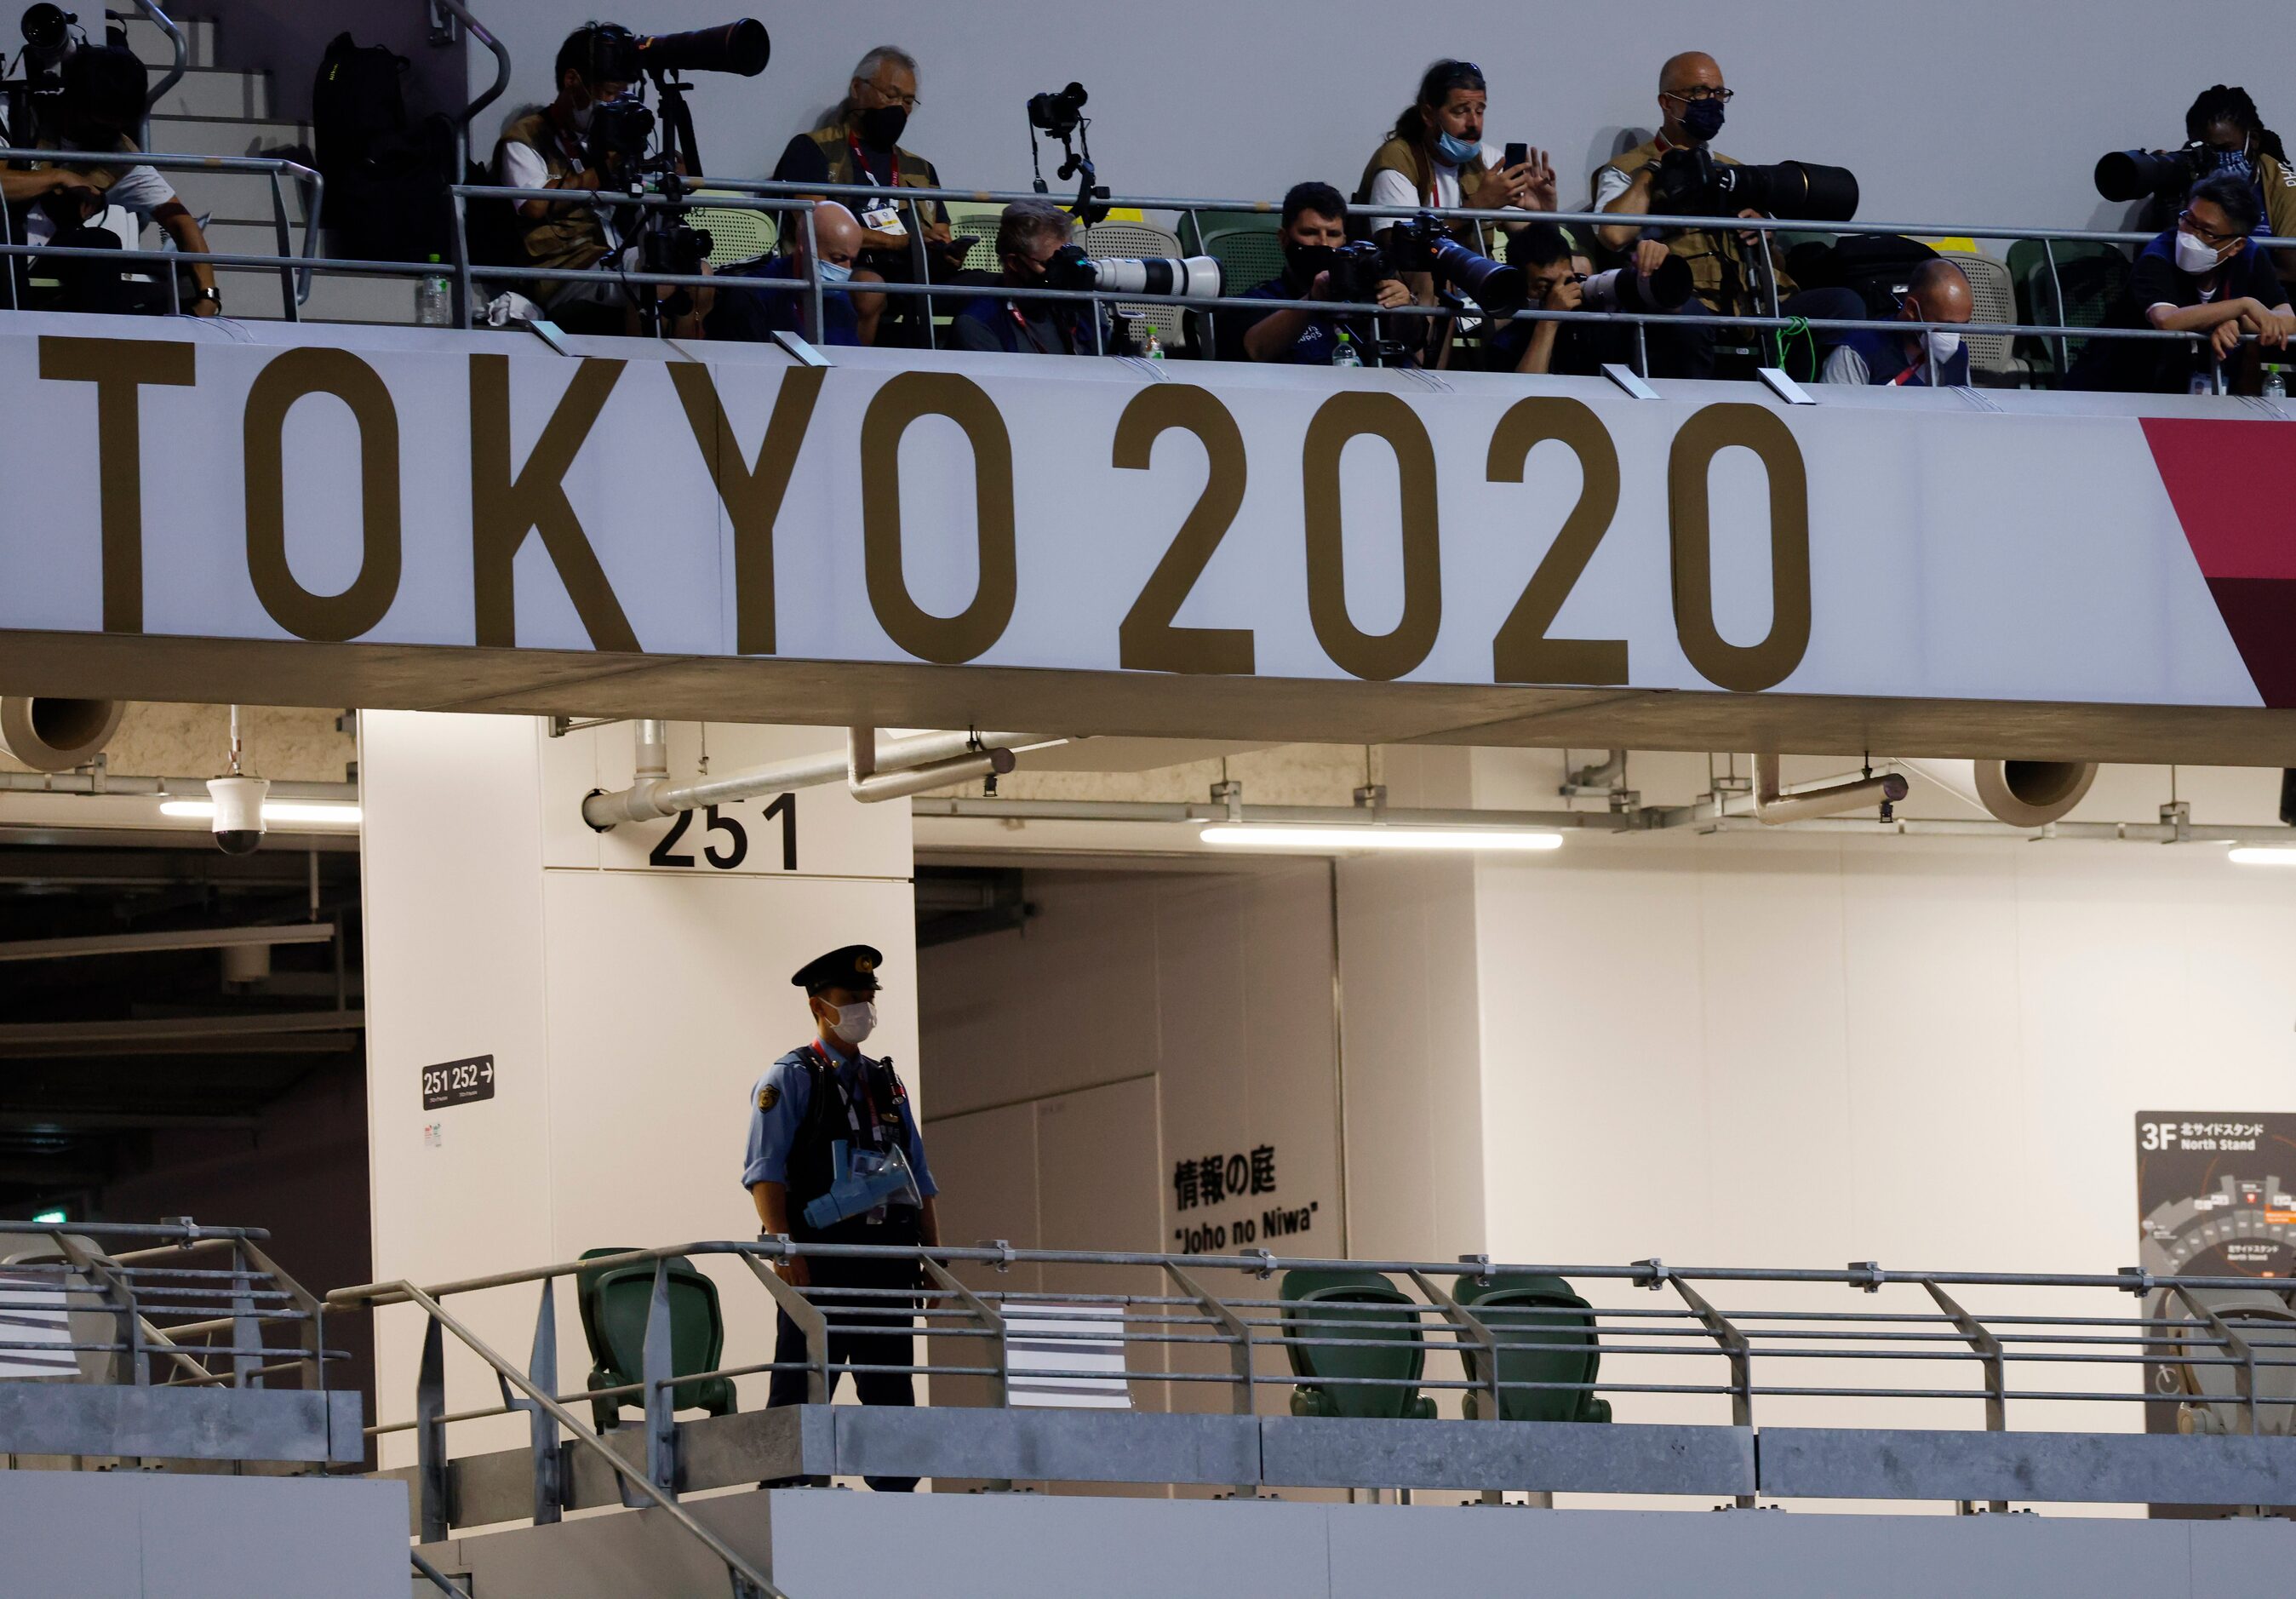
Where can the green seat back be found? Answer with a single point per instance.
(1373, 1310)
(2088, 280)
(1545, 1333)
(1248, 256)
(614, 1302)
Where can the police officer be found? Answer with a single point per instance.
(825, 1093)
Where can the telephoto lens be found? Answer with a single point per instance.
(1497, 289)
(42, 26)
(1803, 191)
(2127, 175)
(1193, 277)
(741, 48)
(1623, 288)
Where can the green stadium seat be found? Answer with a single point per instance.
(1545, 1333)
(614, 1302)
(2088, 279)
(1374, 1310)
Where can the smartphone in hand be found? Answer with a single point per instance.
(1517, 154)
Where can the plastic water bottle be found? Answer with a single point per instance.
(1347, 354)
(433, 306)
(2276, 383)
(1153, 350)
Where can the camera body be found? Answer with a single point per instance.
(238, 812)
(620, 130)
(1058, 114)
(1689, 181)
(1358, 270)
(2128, 174)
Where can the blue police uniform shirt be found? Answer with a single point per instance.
(772, 1132)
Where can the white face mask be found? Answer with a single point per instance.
(1943, 344)
(2193, 255)
(855, 1022)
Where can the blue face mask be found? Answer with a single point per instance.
(2237, 162)
(1454, 152)
(833, 274)
(1701, 120)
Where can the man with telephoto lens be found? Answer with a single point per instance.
(1034, 238)
(550, 148)
(860, 143)
(1314, 232)
(1725, 264)
(1555, 274)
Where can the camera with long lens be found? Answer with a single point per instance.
(1058, 114)
(1689, 182)
(47, 36)
(1192, 277)
(1623, 288)
(1421, 244)
(2127, 175)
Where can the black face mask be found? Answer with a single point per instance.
(1302, 262)
(881, 126)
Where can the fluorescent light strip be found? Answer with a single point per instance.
(274, 810)
(1273, 835)
(2260, 854)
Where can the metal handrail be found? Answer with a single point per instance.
(296, 268)
(469, 113)
(166, 25)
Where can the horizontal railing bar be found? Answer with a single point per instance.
(372, 1293)
(194, 1235)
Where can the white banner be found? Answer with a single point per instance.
(405, 487)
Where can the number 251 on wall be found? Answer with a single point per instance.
(724, 842)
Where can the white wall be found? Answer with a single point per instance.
(1967, 111)
(629, 1007)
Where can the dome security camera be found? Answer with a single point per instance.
(238, 812)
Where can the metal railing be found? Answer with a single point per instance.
(179, 1318)
(1225, 1345)
(294, 267)
(704, 194)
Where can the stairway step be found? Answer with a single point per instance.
(209, 92)
(226, 135)
(234, 196)
(156, 49)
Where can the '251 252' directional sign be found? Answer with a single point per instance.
(458, 1082)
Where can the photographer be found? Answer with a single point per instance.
(1937, 291)
(1556, 275)
(2202, 275)
(1435, 154)
(1030, 234)
(1725, 269)
(1315, 230)
(103, 91)
(550, 148)
(860, 143)
(2225, 120)
(756, 318)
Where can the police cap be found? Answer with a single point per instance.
(853, 968)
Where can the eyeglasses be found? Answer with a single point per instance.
(894, 97)
(1699, 92)
(2207, 235)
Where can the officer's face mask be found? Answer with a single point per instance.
(855, 1021)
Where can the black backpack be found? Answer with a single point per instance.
(386, 177)
(1877, 265)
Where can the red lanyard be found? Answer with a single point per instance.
(868, 1098)
(853, 140)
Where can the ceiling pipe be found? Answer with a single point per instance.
(2023, 793)
(896, 767)
(1773, 805)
